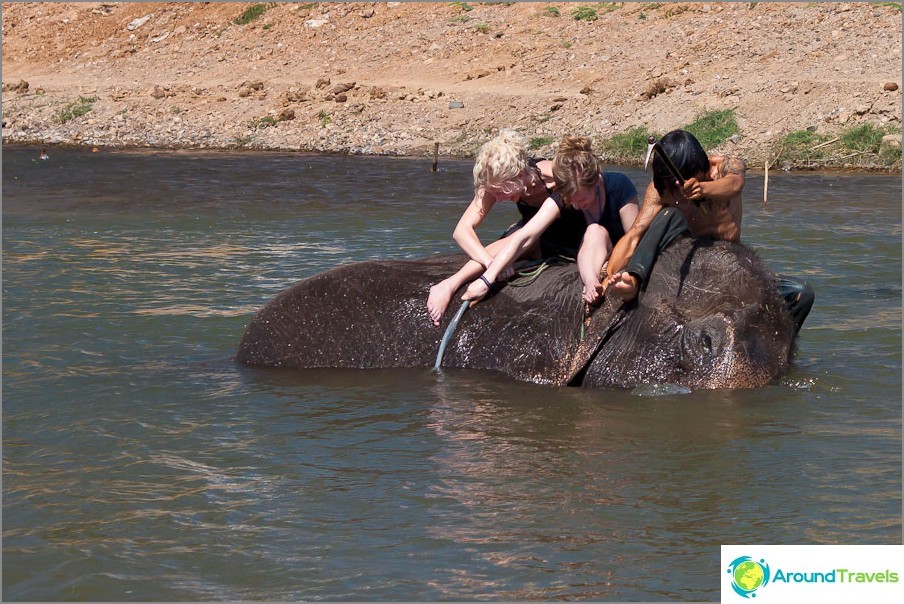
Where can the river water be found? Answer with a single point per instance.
(141, 463)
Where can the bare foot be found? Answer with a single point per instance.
(623, 285)
(438, 300)
(592, 294)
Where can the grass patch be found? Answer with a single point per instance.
(858, 145)
(713, 128)
(630, 145)
(264, 122)
(608, 7)
(76, 109)
(551, 11)
(324, 118)
(250, 14)
(673, 11)
(865, 138)
(896, 6)
(460, 19)
(463, 6)
(482, 28)
(541, 141)
(585, 13)
(651, 6)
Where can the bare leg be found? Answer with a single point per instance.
(594, 252)
(442, 292)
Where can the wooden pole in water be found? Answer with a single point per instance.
(435, 156)
(766, 183)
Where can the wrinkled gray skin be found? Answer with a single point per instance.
(710, 317)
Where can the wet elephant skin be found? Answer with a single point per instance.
(710, 317)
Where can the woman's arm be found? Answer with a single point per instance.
(465, 231)
(518, 242)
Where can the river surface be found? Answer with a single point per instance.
(140, 462)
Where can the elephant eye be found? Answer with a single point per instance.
(706, 342)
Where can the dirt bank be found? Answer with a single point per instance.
(393, 78)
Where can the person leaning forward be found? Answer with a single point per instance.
(707, 206)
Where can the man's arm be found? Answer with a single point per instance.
(728, 177)
(625, 247)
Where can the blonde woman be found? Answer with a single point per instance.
(503, 171)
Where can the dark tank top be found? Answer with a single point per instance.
(564, 236)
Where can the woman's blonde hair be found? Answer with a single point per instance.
(501, 158)
(575, 165)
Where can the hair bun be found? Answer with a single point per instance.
(575, 143)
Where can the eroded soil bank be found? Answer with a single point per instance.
(395, 78)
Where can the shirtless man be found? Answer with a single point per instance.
(708, 205)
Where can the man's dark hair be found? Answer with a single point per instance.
(686, 153)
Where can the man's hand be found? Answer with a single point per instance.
(692, 189)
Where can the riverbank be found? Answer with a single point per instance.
(397, 78)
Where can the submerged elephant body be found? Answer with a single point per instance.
(710, 317)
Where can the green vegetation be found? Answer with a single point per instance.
(243, 141)
(551, 11)
(324, 118)
(713, 128)
(630, 145)
(175, 110)
(857, 145)
(608, 7)
(250, 14)
(893, 5)
(482, 28)
(651, 6)
(76, 109)
(264, 122)
(463, 6)
(460, 19)
(584, 13)
(865, 138)
(642, 16)
(542, 119)
(674, 10)
(541, 141)
(566, 44)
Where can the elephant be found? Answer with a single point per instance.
(709, 317)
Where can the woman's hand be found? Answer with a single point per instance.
(476, 292)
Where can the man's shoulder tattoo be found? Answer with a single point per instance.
(733, 165)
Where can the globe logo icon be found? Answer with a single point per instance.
(748, 575)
